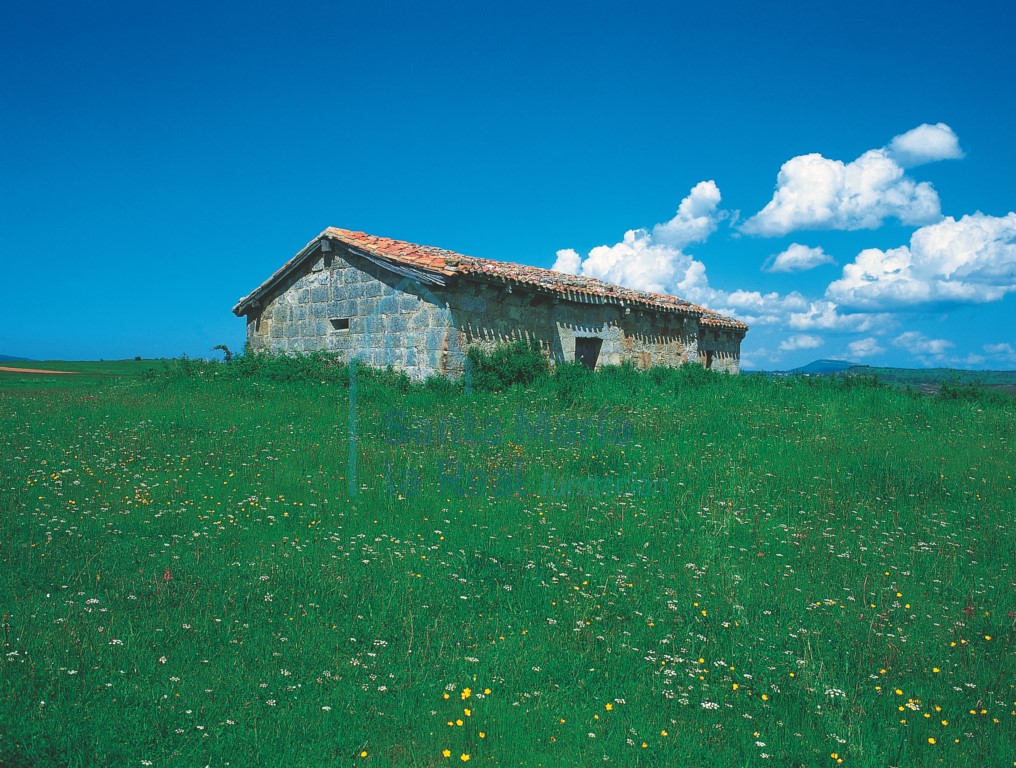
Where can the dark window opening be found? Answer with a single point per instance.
(340, 323)
(709, 358)
(587, 351)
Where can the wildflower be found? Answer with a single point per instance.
(608, 706)
(931, 739)
(464, 757)
(466, 693)
(363, 753)
(446, 753)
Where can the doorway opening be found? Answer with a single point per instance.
(587, 351)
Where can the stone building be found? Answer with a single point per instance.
(420, 308)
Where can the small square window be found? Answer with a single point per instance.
(340, 323)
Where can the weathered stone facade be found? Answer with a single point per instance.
(366, 299)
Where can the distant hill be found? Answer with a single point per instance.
(820, 367)
(8, 358)
(935, 377)
(928, 380)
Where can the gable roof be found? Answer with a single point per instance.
(439, 266)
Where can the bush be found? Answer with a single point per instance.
(971, 392)
(521, 362)
(302, 366)
(570, 380)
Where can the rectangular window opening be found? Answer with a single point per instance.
(340, 323)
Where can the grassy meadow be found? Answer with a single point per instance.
(212, 564)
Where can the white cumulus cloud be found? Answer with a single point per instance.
(919, 345)
(972, 260)
(816, 192)
(925, 144)
(696, 217)
(865, 347)
(654, 260)
(1002, 351)
(798, 258)
(824, 315)
(800, 341)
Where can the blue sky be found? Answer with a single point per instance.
(840, 176)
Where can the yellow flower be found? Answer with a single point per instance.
(483, 735)
(446, 753)
(486, 691)
(466, 693)
(364, 753)
(446, 696)
(608, 706)
(734, 686)
(469, 712)
(987, 637)
(644, 745)
(663, 732)
(834, 756)
(931, 739)
(458, 723)
(765, 697)
(464, 757)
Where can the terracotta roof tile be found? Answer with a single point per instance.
(450, 264)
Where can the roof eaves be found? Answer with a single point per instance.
(251, 299)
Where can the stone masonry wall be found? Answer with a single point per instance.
(488, 315)
(391, 320)
(720, 349)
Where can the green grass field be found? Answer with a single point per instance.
(72, 374)
(211, 565)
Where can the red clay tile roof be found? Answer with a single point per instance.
(450, 264)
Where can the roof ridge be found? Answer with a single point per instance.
(563, 283)
(445, 263)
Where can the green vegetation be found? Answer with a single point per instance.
(72, 374)
(521, 362)
(659, 568)
(932, 378)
